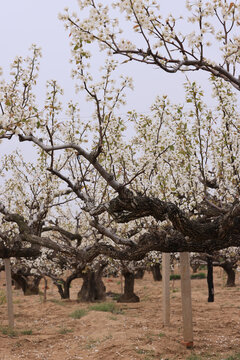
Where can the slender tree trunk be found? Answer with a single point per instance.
(62, 289)
(128, 295)
(157, 276)
(64, 285)
(210, 280)
(195, 267)
(228, 268)
(93, 288)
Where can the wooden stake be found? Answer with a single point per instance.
(9, 292)
(186, 300)
(121, 280)
(166, 288)
(45, 289)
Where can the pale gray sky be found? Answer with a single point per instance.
(30, 21)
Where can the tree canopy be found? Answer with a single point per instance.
(176, 177)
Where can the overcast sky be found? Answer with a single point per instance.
(27, 21)
(23, 22)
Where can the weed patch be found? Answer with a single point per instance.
(92, 343)
(58, 302)
(8, 331)
(234, 357)
(194, 357)
(64, 331)
(149, 353)
(26, 332)
(200, 275)
(3, 298)
(77, 314)
(106, 307)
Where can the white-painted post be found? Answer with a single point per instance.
(186, 300)
(166, 288)
(7, 266)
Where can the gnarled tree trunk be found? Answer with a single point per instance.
(28, 284)
(64, 285)
(229, 269)
(128, 296)
(93, 288)
(195, 266)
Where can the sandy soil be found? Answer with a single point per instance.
(46, 331)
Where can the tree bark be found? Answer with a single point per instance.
(16, 286)
(28, 284)
(64, 285)
(138, 274)
(128, 295)
(93, 288)
(210, 280)
(157, 276)
(195, 266)
(229, 269)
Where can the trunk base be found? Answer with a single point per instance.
(128, 298)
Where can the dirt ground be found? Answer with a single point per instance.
(46, 331)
